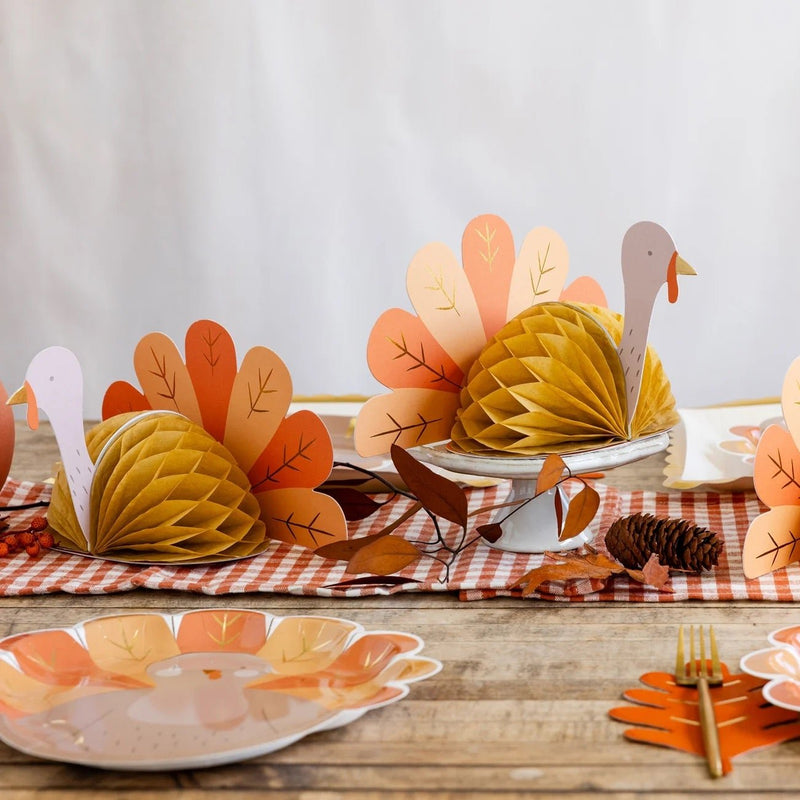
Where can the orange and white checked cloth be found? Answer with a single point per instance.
(478, 572)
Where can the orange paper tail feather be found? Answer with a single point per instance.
(244, 408)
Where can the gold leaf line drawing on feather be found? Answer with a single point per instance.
(776, 550)
(39, 659)
(287, 462)
(291, 524)
(780, 469)
(128, 645)
(536, 281)
(490, 255)
(419, 361)
(161, 372)
(370, 658)
(438, 286)
(398, 430)
(307, 650)
(224, 623)
(262, 390)
(209, 342)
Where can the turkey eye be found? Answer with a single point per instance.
(52, 378)
(649, 252)
(244, 672)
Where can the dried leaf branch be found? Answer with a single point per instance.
(384, 553)
(582, 507)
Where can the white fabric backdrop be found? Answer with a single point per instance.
(275, 165)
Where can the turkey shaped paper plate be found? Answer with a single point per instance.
(196, 689)
(203, 466)
(780, 666)
(502, 360)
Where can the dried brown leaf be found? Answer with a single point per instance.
(559, 509)
(573, 565)
(384, 556)
(563, 571)
(345, 549)
(373, 580)
(491, 532)
(551, 474)
(653, 573)
(440, 496)
(580, 512)
(355, 505)
(602, 561)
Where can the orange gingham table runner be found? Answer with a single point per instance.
(477, 573)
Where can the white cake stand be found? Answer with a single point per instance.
(533, 528)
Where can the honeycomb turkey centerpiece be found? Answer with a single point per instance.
(514, 364)
(202, 466)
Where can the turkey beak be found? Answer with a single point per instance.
(683, 267)
(677, 266)
(25, 395)
(212, 674)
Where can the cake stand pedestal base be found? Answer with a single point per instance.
(533, 528)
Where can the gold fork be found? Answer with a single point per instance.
(688, 674)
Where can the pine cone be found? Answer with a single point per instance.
(679, 544)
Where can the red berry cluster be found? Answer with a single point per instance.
(33, 540)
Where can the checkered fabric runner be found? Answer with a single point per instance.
(479, 572)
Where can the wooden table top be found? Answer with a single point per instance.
(519, 710)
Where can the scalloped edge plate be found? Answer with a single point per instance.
(81, 693)
(779, 665)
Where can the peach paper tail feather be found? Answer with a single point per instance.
(773, 539)
(423, 357)
(244, 408)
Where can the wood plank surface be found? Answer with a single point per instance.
(520, 709)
